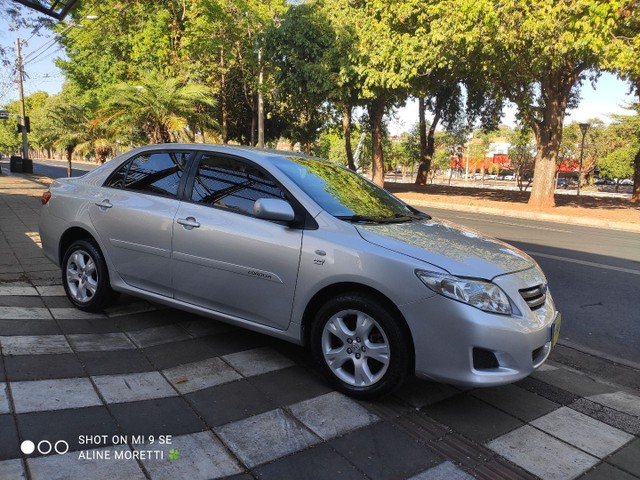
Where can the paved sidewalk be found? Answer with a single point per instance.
(141, 391)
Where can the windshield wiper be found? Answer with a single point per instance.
(397, 218)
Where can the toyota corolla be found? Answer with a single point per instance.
(307, 251)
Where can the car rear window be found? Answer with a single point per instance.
(158, 173)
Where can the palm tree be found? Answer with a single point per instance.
(164, 108)
(76, 133)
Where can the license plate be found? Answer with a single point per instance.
(555, 329)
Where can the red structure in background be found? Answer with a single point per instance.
(570, 166)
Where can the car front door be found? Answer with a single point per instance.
(224, 258)
(133, 216)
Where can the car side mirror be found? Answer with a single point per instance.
(273, 209)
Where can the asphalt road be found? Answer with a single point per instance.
(58, 168)
(593, 274)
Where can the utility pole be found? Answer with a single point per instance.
(23, 116)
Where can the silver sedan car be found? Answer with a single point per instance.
(307, 251)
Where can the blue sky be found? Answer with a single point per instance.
(607, 98)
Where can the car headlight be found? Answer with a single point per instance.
(483, 295)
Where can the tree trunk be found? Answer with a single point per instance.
(223, 100)
(423, 171)
(346, 129)
(422, 128)
(254, 121)
(542, 190)
(69, 153)
(635, 195)
(376, 113)
(548, 132)
(429, 150)
(431, 140)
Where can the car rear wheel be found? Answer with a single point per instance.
(360, 346)
(85, 277)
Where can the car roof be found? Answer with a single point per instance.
(252, 153)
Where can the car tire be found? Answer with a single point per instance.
(85, 277)
(360, 346)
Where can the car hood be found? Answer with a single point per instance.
(458, 250)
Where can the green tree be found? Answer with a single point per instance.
(623, 57)
(387, 54)
(522, 156)
(620, 140)
(619, 163)
(537, 52)
(128, 40)
(9, 140)
(163, 107)
(301, 48)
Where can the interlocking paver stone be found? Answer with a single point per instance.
(444, 471)
(69, 467)
(133, 386)
(201, 457)
(4, 400)
(582, 431)
(24, 313)
(34, 345)
(542, 454)
(51, 290)
(70, 313)
(200, 375)
(150, 337)
(12, 469)
(628, 458)
(622, 401)
(332, 415)
(41, 395)
(265, 437)
(516, 401)
(17, 290)
(320, 462)
(257, 361)
(100, 342)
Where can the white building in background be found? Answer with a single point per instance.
(499, 147)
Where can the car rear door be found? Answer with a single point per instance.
(133, 216)
(224, 258)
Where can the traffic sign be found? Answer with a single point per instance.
(4, 115)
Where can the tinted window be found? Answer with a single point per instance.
(228, 183)
(159, 173)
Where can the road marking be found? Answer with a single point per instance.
(512, 224)
(588, 264)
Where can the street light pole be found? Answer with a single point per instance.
(23, 116)
(583, 128)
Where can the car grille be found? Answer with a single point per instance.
(535, 296)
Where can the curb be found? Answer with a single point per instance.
(547, 217)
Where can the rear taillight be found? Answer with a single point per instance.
(45, 197)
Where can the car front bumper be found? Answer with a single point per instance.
(458, 344)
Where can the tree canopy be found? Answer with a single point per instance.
(194, 69)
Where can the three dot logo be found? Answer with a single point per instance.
(44, 447)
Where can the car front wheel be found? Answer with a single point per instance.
(360, 346)
(85, 277)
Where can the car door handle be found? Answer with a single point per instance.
(104, 204)
(188, 223)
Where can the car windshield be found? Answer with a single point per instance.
(345, 194)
